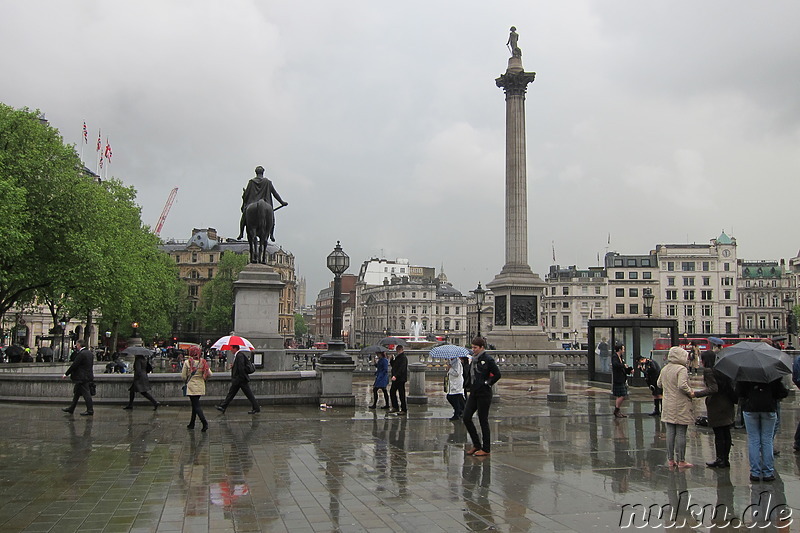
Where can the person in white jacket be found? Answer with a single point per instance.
(455, 387)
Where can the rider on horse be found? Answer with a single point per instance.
(259, 188)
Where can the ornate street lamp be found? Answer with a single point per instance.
(789, 302)
(108, 340)
(63, 323)
(338, 262)
(480, 297)
(648, 298)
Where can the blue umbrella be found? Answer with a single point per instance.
(448, 351)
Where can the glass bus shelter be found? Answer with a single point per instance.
(639, 335)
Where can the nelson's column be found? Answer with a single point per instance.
(517, 290)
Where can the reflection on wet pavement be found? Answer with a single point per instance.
(566, 467)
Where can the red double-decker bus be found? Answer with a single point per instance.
(702, 342)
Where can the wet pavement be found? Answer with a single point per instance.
(569, 467)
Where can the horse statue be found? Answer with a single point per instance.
(260, 222)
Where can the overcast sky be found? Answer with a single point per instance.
(380, 122)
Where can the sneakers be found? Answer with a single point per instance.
(755, 479)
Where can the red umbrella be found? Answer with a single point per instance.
(229, 341)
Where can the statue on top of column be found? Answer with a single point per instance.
(513, 37)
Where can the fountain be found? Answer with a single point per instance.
(417, 341)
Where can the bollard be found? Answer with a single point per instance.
(558, 391)
(416, 383)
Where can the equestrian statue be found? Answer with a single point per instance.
(258, 215)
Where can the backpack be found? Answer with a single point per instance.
(249, 367)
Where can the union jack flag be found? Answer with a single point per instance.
(85, 134)
(108, 151)
(99, 142)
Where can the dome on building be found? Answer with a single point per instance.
(446, 289)
(724, 239)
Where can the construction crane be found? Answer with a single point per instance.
(165, 212)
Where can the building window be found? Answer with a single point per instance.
(728, 310)
(727, 294)
(672, 295)
(726, 267)
(706, 295)
(689, 326)
(672, 310)
(633, 293)
(458, 325)
(619, 275)
(565, 305)
(413, 309)
(670, 266)
(706, 327)
(775, 301)
(447, 309)
(728, 328)
(761, 301)
(748, 302)
(413, 294)
(688, 295)
(688, 282)
(402, 309)
(688, 310)
(631, 262)
(748, 322)
(620, 309)
(671, 281)
(619, 293)
(565, 291)
(194, 274)
(192, 290)
(633, 275)
(727, 281)
(647, 275)
(762, 322)
(776, 322)
(645, 262)
(687, 266)
(706, 281)
(706, 266)
(194, 257)
(634, 309)
(565, 321)
(706, 310)
(617, 262)
(597, 290)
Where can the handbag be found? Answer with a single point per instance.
(92, 388)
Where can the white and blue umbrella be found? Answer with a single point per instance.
(448, 351)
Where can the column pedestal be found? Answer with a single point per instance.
(337, 384)
(257, 300)
(416, 384)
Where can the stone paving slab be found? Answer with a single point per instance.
(554, 467)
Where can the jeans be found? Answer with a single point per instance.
(458, 402)
(760, 431)
(676, 442)
(604, 364)
(481, 404)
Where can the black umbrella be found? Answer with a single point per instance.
(138, 350)
(373, 349)
(753, 361)
(392, 341)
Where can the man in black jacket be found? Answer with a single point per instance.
(81, 373)
(483, 373)
(240, 379)
(399, 377)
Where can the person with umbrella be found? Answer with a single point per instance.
(454, 378)
(381, 380)
(759, 404)
(240, 379)
(677, 405)
(720, 401)
(141, 383)
(399, 365)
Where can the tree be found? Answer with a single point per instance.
(74, 243)
(300, 326)
(216, 303)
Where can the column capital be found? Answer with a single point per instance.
(515, 83)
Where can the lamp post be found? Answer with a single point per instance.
(108, 340)
(63, 324)
(575, 338)
(285, 336)
(480, 297)
(789, 302)
(338, 262)
(648, 298)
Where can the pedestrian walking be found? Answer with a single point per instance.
(759, 402)
(720, 406)
(141, 383)
(195, 373)
(619, 379)
(482, 375)
(241, 368)
(694, 358)
(81, 372)
(399, 366)
(454, 387)
(381, 381)
(677, 405)
(650, 369)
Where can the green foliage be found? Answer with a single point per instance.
(74, 243)
(216, 303)
(300, 326)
